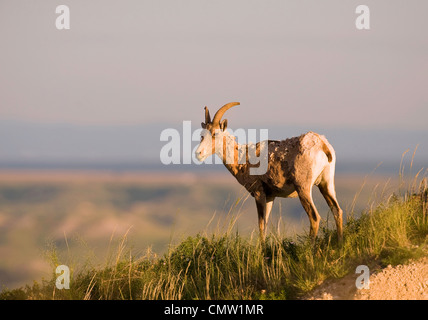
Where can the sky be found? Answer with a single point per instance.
(291, 64)
(287, 62)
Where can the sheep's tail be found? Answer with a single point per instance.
(326, 147)
(327, 151)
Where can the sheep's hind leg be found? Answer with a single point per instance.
(326, 188)
(305, 196)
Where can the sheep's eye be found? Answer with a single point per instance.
(202, 138)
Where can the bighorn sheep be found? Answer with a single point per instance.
(294, 166)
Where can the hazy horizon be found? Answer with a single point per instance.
(28, 145)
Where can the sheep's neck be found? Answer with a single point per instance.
(233, 154)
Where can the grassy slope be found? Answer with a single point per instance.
(225, 265)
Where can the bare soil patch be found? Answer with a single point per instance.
(402, 282)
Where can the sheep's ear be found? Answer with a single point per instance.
(203, 125)
(223, 125)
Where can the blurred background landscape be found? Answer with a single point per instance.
(76, 213)
(82, 110)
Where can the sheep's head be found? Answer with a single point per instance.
(213, 132)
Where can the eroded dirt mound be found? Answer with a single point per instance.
(402, 282)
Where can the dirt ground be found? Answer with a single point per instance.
(402, 282)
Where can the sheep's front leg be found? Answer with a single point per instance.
(264, 207)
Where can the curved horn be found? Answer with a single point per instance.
(207, 116)
(221, 111)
